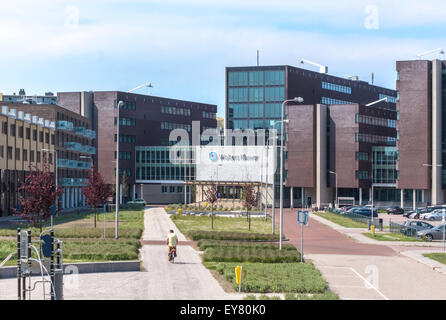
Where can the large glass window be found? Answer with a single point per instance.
(239, 110)
(238, 78)
(384, 165)
(238, 94)
(336, 87)
(273, 110)
(256, 94)
(275, 77)
(256, 78)
(274, 93)
(256, 110)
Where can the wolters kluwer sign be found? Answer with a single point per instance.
(235, 163)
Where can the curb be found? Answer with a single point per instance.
(84, 267)
(418, 256)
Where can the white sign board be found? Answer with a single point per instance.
(235, 163)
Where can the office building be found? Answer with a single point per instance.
(145, 125)
(22, 139)
(421, 108)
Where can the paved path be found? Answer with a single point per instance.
(321, 239)
(187, 278)
(357, 270)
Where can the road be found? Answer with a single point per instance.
(364, 271)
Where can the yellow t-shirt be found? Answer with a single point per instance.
(173, 240)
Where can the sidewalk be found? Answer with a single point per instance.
(187, 278)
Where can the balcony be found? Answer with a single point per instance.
(64, 125)
(90, 134)
(62, 163)
(73, 146)
(84, 165)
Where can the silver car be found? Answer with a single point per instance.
(436, 215)
(436, 233)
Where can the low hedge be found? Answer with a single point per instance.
(205, 244)
(226, 235)
(247, 254)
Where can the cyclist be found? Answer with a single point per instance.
(172, 241)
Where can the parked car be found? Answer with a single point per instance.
(436, 233)
(395, 210)
(436, 215)
(366, 212)
(417, 225)
(138, 201)
(410, 213)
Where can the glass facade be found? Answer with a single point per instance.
(384, 165)
(255, 98)
(153, 164)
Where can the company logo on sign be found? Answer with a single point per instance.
(213, 156)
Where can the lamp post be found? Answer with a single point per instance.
(299, 100)
(120, 104)
(336, 176)
(55, 169)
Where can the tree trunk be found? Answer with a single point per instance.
(95, 212)
(249, 222)
(212, 217)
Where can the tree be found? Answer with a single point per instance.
(211, 196)
(96, 192)
(249, 200)
(37, 194)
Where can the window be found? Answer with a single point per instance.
(9, 153)
(28, 133)
(163, 189)
(128, 122)
(12, 131)
(5, 128)
(256, 94)
(31, 156)
(336, 87)
(179, 189)
(237, 78)
(209, 115)
(389, 98)
(35, 135)
(362, 156)
(2, 152)
(362, 175)
(38, 156)
(17, 153)
(25, 155)
(275, 77)
(239, 110)
(326, 100)
(274, 93)
(256, 78)
(128, 105)
(47, 137)
(256, 110)
(238, 94)
(176, 111)
(52, 139)
(125, 155)
(21, 132)
(171, 189)
(40, 136)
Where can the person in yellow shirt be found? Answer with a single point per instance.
(172, 241)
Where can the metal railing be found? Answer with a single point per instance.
(400, 229)
(357, 217)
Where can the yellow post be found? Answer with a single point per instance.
(372, 229)
(179, 212)
(238, 277)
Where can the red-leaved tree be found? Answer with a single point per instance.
(96, 192)
(37, 195)
(211, 196)
(249, 200)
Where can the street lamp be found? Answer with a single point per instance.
(332, 172)
(120, 104)
(55, 169)
(299, 100)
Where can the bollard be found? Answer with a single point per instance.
(372, 229)
(58, 284)
(179, 212)
(380, 221)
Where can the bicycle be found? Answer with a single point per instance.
(172, 255)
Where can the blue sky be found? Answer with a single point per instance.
(182, 47)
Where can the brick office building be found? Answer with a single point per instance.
(254, 97)
(73, 142)
(145, 124)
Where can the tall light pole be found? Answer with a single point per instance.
(120, 104)
(300, 100)
(336, 176)
(55, 169)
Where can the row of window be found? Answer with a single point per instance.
(123, 138)
(336, 87)
(24, 153)
(389, 98)
(271, 110)
(128, 122)
(176, 111)
(362, 175)
(128, 105)
(362, 156)
(256, 78)
(163, 172)
(124, 155)
(371, 138)
(209, 115)
(20, 133)
(256, 94)
(375, 121)
(326, 100)
(173, 126)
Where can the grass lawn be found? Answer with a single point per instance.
(341, 220)
(84, 243)
(230, 224)
(390, 237)
(273, 277)
(437, 256)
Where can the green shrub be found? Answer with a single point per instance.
(226, 235)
